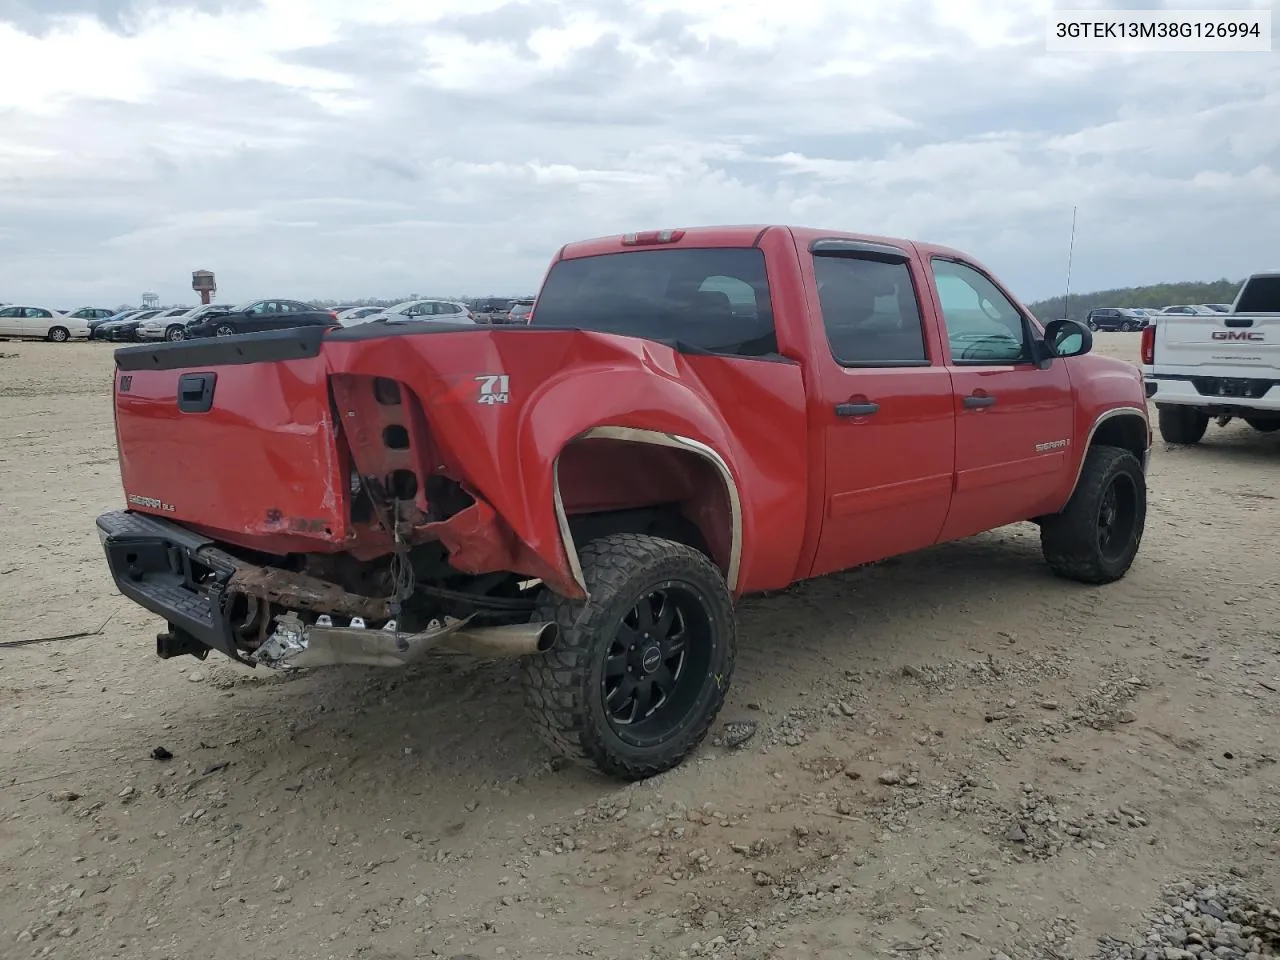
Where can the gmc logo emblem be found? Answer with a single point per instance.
(1237, 335)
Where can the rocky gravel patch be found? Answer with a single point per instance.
(1202, 919)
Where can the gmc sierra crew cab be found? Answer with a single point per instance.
(693, 415)
(1217, 366)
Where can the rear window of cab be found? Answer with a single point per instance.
(709, 299)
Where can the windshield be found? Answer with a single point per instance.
(714, 299)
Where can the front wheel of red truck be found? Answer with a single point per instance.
(1096, 536)
(639, 672)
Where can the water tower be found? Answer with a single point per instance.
(150, 300)
(203, 283)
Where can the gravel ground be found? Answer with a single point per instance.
(948, 755)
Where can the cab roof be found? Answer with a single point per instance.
(737, 235)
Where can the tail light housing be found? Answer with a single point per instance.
(650, 237)
(1149, 344)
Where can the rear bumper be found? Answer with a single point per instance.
(1215, 395)
(172, 572)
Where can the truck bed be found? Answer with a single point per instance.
(295, 442)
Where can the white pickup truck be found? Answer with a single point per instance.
(1217, 366)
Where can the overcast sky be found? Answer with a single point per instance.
(334, 148)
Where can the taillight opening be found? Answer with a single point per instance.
(1149, 344)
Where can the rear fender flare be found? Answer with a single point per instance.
(642, 400)
(659, 438)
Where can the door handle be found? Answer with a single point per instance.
(195, 392)
(975, 400)
(862, 409)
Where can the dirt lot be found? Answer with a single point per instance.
(956, 755)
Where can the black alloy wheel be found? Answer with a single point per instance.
(656, 663)
(1117, 515)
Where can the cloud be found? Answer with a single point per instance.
(123, 16)
(316, 148)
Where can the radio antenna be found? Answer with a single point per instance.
(1071, 249)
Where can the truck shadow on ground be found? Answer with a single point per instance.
(462, 721)
(1236, 443)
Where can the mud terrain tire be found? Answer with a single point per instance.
(660, 616)
(1096, 536)
(1182, 424)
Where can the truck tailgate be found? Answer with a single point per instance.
(212, 440)
(1218, 345)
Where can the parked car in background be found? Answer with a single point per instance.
(28, 322)
(1187, 310)
(1115, 318)
(257, 316)
(491, 310)
(521, 311)
(171, 325)
(438, 311)
(91, 313)
(1217, 366)
(126, 331)
(95, 326)
(1217, 307)
(358, 315)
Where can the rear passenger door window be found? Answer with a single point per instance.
(983, 326)
(870, 311)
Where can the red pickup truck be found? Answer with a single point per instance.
(692, 415)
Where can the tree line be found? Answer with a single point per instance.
(1154, 296)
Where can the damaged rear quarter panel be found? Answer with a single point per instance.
(562, 383)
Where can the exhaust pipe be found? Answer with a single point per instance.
(295, 644)
(512, 640)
